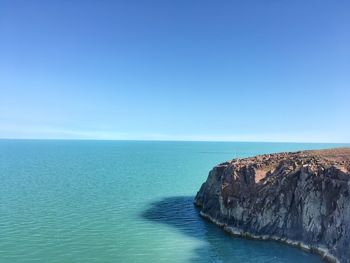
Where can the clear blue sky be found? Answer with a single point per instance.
(271, 70)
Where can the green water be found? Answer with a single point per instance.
(115, 201)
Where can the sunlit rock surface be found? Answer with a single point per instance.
(301, 198)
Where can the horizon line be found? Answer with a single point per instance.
(163, 140)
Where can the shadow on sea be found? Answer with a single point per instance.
(180, 213)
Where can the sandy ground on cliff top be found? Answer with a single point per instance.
(336, 154)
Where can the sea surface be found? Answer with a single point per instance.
(121, 201)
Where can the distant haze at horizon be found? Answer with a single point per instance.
(273, 71)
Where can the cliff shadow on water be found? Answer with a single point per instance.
(180, 213)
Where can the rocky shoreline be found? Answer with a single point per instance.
(300, 198)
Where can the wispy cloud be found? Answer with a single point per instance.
(12, 131)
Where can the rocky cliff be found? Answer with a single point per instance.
(300, 198)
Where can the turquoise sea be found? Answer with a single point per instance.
(121, 201)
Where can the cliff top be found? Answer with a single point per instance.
(315, 159)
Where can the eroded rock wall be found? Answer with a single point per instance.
(300, 198)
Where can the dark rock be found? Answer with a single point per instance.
(300, 198)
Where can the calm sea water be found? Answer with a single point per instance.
(115, 201)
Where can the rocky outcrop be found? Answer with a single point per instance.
(300, 198)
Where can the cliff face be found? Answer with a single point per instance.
(301, 198)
